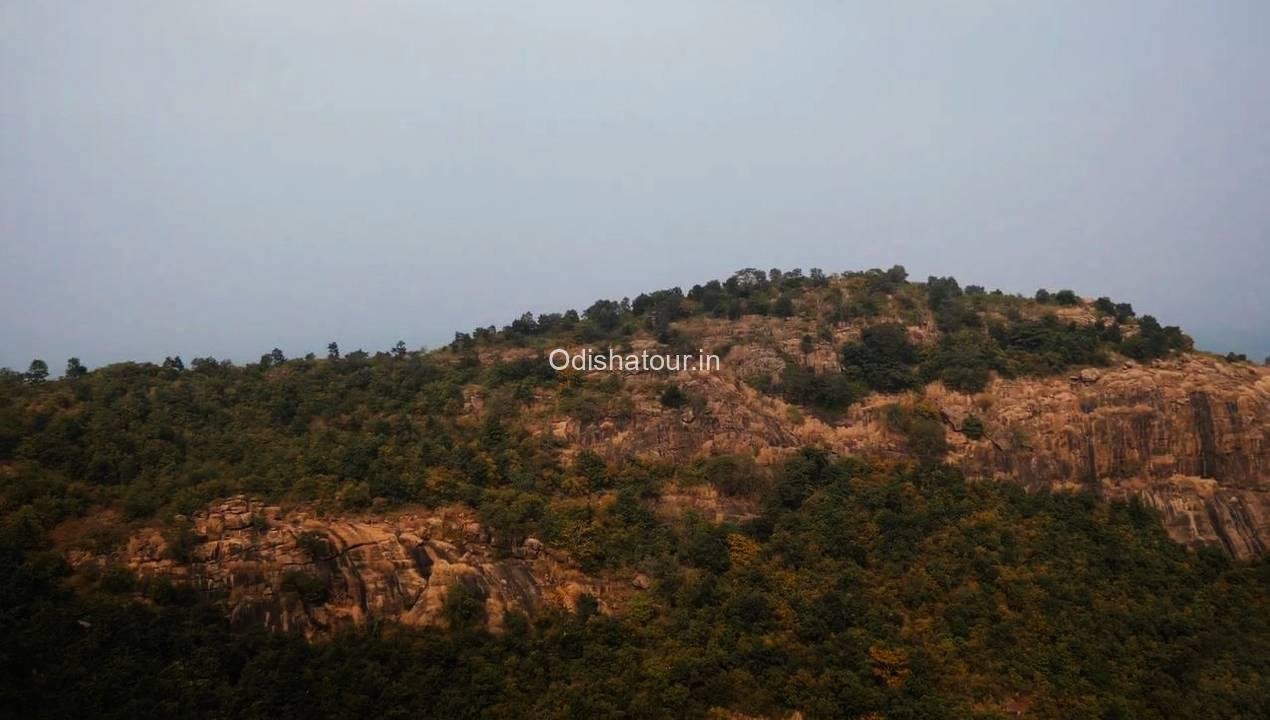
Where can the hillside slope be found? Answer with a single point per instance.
(889, 499)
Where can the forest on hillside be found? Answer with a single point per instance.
(862, 589)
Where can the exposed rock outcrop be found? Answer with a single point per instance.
(292, 571)
(1186, 436)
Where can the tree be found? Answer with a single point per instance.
(38, 372)
(882, 359)
(173, 363)
(1066, 297)
(277, 356)
(1043, 296)
(783, 307)
(941, 290)
(604, 314)
(745, 280)
(204, 364)
(75, 369)
(963, 361)
(399, 350)
(525, 324)
(1153, 341)
(333, 349)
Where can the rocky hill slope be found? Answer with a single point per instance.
(1183, 434)
(889, 499)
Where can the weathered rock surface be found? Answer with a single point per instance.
(352, 570)
(1186, 436)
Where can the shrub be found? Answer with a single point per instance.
(972, 427)
(118, 579)
(926, 439)
(882, 359)
(1153, 341)
(832, 391)
(783, 307)
(922, 430)
(731, 474)
(464, 606)
(313, 543)
(673, 397)
(963, 361)
(1066, 297)
(312, 589)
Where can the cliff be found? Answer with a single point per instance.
(295, 572)
(1185, 436)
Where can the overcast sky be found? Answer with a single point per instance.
(219, 178)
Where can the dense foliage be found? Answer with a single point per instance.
(861, 591)
(908, 593)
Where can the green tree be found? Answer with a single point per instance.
(783, 307)
(37, 372)
(882, 359)
(963, 361)
(604, 315)
(1066, 297)
(464, 606)
(972, 427)
(75, 369)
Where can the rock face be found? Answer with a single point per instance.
(298, 573)
(1186, 436)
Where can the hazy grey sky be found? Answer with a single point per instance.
(218, 178)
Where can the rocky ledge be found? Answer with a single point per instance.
(1186, 436)
(292, 571)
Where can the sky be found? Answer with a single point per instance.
(217, 179)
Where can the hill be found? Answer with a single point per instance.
(887, 499)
